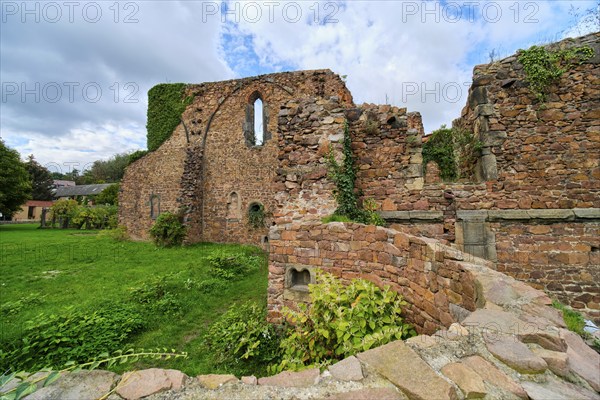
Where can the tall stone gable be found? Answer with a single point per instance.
(212, 169)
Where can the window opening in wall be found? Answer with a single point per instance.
(258, 122)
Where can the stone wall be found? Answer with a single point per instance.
(152, 182)
(209, 169)
(433, 278)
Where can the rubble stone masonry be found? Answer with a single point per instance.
(533, 210)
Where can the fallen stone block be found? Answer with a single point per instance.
(214, 381)
(514, 354)
(348, 369)
(466, 379)
(491, 374)
(404, 368)
(305, 378)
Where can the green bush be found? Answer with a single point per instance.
(335, 218)
(233, 267)
(454, 150)
(155, 296)
(109, 196)
(118, 234)
(340, 321)
(242, 341)
(136, 155)
(73, 335)
(544, 67)
(168, 230)
(62, 211)
(95, 217)
(211, 285)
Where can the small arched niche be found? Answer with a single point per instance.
(154, 205)
(297, 279)
(233, 207)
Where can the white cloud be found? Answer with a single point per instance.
(412, 53)
(405, 52)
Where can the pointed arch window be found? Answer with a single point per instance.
(255, 125)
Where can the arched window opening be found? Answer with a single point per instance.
(255, 126)
(259, 132)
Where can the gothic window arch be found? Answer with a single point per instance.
(255, 125)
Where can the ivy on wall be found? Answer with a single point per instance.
(543, 67)
(166, 103)
(346, 196)
(454, 150)
(344, 175)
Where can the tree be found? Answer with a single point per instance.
(41, 180)
(15, 186)
(110, 195)
(111, 170)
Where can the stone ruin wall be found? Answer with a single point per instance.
(432, 278)
(535, 210)
(207, 168)
(535, 214)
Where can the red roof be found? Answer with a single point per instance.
(38, 203)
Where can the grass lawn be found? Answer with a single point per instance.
(62, 268)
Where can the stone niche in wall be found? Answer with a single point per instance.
(297, 279)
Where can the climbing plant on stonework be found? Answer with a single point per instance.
(343, 175)
(543, 67)
(166, 103)
(454, 150)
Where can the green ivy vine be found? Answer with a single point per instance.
(544, 67)
(256, 216)
(344, 177)
(166, 103)
(455, 151)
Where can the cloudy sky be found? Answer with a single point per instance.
(75, 75)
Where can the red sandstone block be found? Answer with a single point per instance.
(288, 235)
(401, 241)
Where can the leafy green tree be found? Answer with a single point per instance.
(111, 170)
(41, 180)
(110, 195)
(15, 186)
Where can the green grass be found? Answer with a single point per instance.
(573, 319)
(45, 271)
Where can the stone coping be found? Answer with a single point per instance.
(569, 214)
(404, 216)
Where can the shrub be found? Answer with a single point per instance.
(63, 211)
(136, 155)
(335, 218)
(118, 234)
(256, 216)
(340, 321)
(211, 285)
(454, 150)
(233, 267)
(95, 217)
(242, 341)
(168, 230)
(73, 335)
(109, 196)
(155, 296)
